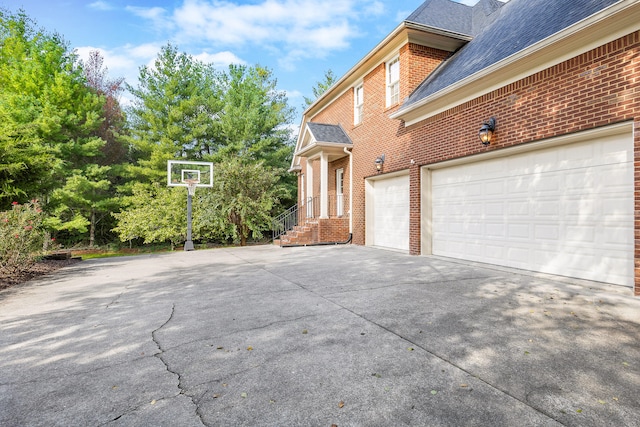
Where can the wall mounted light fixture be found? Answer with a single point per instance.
(486, 131)
(379, 163)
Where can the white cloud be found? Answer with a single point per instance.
(289, 30)
(376, 8)
(220, 59)
(100, 5)
(301, 27)
(157, 15)
(294, 94)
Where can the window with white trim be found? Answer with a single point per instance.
(358, 103)
(393, 81)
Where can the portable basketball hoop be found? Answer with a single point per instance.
(182, 173)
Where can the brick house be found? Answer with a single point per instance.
(390, 156)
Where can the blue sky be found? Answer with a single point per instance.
(297, 39)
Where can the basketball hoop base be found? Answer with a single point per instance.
(188, 246)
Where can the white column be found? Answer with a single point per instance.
(309, 195)
(324, 185)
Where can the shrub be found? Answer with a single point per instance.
(22, 238)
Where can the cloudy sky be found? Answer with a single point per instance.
(297, 39)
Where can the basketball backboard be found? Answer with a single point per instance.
(180, 172)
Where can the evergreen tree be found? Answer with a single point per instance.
(173, 115)
(48, 116)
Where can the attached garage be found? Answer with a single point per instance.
(563, 206)
(387, 205)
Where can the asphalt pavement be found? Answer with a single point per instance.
(315, 336)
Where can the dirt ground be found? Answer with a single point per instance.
(40, 268)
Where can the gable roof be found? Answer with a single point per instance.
(516, 26)
(320, 139)
(455, 17)
(328, 133)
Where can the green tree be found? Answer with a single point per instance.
(84, 201)
(185, 109)
(173, 114)
(47, 113)
(320, 87)
(155, 214)
(252, 122)
(242, 199)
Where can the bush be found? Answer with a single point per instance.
(22, 238)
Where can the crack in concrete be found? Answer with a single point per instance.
(183, 391)
(255, 328)
(133, 410)
(117, 298)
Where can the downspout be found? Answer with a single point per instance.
(350, 209)
(346, 150)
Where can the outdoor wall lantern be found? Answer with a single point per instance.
(379, 163)
(486, 131)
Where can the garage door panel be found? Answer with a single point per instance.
(566, 210)
(495, 230)
(494, 209)
(390, 212)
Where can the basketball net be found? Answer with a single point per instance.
(191, 186)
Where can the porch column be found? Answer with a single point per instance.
(324, 185)
(309, 202)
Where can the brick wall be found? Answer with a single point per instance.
(333, 230)
(378, 134)
(597, 88)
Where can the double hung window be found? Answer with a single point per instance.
(393, 81)
(358, 104)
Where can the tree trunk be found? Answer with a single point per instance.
(92, 229)
(243, 237)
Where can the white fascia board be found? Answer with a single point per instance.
(603, 27)
(295, 161)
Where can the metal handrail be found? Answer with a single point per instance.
(285, 222)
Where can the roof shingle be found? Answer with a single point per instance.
(513, 27)
(328, 133)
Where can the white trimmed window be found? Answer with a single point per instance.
(393, 81)
(358, 103)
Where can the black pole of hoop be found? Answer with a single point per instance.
(188, 245)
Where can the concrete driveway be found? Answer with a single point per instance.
(316, 336)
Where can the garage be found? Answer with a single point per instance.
(387, 204)
(563, 207)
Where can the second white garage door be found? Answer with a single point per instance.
(565, 210)
(388, 212)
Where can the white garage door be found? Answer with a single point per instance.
(388, 212)
(566, 210)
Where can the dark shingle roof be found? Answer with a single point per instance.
(515, 26)
(328, 133)
(444, 14)
(455, 17)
